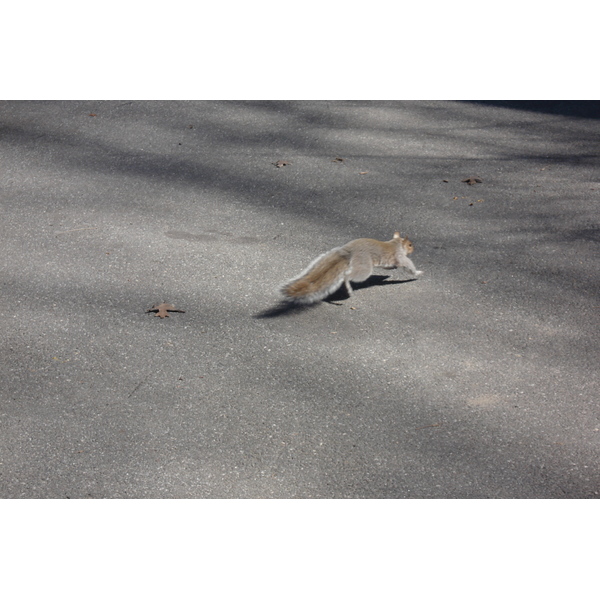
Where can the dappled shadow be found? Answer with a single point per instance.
(585, 109)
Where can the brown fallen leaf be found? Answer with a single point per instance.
(92, 115)
(162, 310)
(337, 159)
(472, 180)
(281, 163)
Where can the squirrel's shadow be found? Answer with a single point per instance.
(290, 308)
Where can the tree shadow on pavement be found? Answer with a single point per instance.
(587, 109)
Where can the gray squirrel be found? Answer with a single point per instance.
(352, 262)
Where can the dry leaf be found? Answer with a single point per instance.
(338, 159)
(472, 180)
(162, 310)
(281, 163)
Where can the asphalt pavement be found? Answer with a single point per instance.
(477, 380)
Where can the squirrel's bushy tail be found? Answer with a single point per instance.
(320, 279)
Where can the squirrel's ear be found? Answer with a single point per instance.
(397, 235)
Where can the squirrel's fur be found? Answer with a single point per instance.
(353, 262)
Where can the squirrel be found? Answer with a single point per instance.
(352, 262)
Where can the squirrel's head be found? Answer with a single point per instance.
(406, 243)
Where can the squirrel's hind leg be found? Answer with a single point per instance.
(361, 268)
(348, 286)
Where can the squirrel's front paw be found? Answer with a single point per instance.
(419, 273)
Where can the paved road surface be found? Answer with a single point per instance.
(479, 380)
